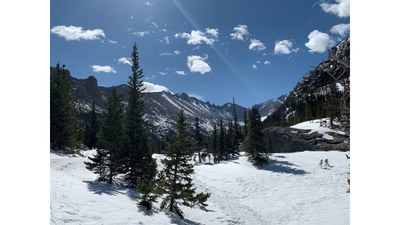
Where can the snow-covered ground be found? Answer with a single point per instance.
(318, 125)
(293, 189)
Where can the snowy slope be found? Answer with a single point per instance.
(319, 125)
(293, 189)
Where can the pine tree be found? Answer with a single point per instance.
(112, 136)
(147, 183)
(199, 138)
(230, 140)
(237, 136)
(63, 124)
(245, 123)
(254, 142)
(92, 129)
(214, 144)
(221, 142)
(98, 165)
(137, 149)
(176, 179)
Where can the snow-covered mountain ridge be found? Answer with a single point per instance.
(161, 108)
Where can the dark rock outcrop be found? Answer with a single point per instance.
(286, 139)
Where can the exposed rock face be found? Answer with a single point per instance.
(285, 139)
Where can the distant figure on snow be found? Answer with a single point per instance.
(327, 163)
(321, 163)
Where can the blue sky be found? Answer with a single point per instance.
(253, 50)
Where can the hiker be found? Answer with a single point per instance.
(327, 163)
(321, 163)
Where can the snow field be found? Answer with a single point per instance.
(315, 126)
(293, 189)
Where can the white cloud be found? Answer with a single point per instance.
(319, 42)
(149, 3)
(112, 41)
(341, 8)
(150, 78)
(163, 73)
(103, 69)
(198, 37)
(341, 29)
(163, 30)
(256, 45)
(165, 40)
(154, 24)
(254, 66)
(124, 60)
(239, 32)
(198, 64)
(150, 87)
(267, 62)
(180, 72)
(284, 47)
(213, 32)
(176, 52)
(140, 33)
(72, 33)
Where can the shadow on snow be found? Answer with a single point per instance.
(281, 166)
(100, 188)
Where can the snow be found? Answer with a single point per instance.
(339, 87)
(263, 118)
(293, 189)
(170, 101)
(315, 126)
(187, 111)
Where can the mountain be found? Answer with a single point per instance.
(268, 107)
(161, 107)
(322, 92)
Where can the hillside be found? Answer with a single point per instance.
(317, 94)
(293, 189)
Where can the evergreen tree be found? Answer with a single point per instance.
(254, 142)
(147, 183)
(112, 136)
(92, 129)
(230, 140)
(214, 144)
(176, 179)
(245, 123)
(221, 142)
(63, 124)
(98, 165)
(237, 136)
(199, 138)
(137, 149)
